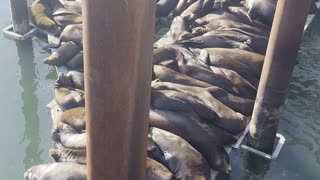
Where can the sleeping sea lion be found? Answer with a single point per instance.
(180, 157)
(68, 98)
(263, 10)
(74, 6)
(229, 120)
(157, 171)
(63, 54)
(69, 129)
(76, 62)
(72, 79)
(209, 142)
(55, 171)
(69, 155)
(64, 17)
(40, 13)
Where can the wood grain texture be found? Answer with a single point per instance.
(118, 38)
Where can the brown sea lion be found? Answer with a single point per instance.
(209, 142)
(55, 171)
(69, 155)
(69, 129)
(68, 98)
(180, 157)
(63, 54)
(72, 32)
(178, 29)
(169, 75)
(182, 103)
(40, 13)
(155, 170)
(228, 119)
(197, 9)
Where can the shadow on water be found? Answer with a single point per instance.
(30, 103)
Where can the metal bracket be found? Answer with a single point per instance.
(275, 153)
(8, 32)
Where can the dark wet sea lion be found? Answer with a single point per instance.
(55, 171)
(64, 17)
(69, 129)
(72, 79)
(40, 13)
(228, 119)
(63, 54)
(76, 62)
(262, 9)
(163, 7)
(207, 141)
(180, 157)
(182, 103)
(68, 155)
(181, 6)
(157, 171)
(169, 75)
(68, 98)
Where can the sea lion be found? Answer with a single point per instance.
(197, 9)
(63, 54)
(73, 79)
(229, 120)
(157, 171)
(68, 98)
(64, 17)
(74, 6)
(263, 10)
(40, 13)
(234, 59)
(69, 129)
(182, 103)
(55, 171)
(209, 142)
(178, 29)
(72, 32)
(69, 155)
(180, 157)
(76, 62)
(181, 6)
(163, 7)
(192, 67)
(169, 75)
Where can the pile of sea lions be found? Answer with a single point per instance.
(202, 92)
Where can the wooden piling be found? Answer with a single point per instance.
(20, 17)
(284, 41)
(118, 38)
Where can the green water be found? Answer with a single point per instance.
(26, 88)
(27, 85)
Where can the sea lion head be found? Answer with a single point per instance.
(63, 81)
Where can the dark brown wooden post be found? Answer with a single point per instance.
(20, 18)
(286, 33)
(118, 38)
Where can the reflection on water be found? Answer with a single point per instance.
(30, 102)
(300, 123)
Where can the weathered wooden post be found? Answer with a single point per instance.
(286, 33)
(118, 38)
(20, 17)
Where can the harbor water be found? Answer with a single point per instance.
(27, 87)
